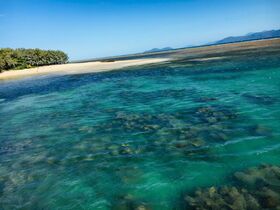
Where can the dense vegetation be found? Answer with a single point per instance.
(27, 58)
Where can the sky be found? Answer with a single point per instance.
(87, 29)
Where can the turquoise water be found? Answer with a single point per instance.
(145, 137)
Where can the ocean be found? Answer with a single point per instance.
(146, 137)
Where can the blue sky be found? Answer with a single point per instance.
(88, 29)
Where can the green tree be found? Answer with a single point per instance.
(26, 58)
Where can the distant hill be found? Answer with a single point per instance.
(231, 39)
(250, 36)
(158, 50)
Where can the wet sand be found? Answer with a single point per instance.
(78, 68)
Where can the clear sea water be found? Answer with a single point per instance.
(146, 135)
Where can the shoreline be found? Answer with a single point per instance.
(77, 68)
(197, 54)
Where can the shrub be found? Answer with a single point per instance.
(27, 58)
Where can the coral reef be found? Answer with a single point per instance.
(184, 131)
(256, 188)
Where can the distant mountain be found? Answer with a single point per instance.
(158, 50)
(231, 39)
(250, 36)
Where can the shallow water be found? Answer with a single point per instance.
(147, 136)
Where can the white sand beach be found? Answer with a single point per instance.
(78, 68)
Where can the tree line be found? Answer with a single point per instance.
(27, 58)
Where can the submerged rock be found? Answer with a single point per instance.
(128, 202)
(123, 149)
(257, 188)
(205, 99)
(222, 198)
(126, 122)
(8, 147)
(197, 142)
(260, 99)
(177, 132)
(262, 176)
(214, 114)
(260, 130)
(269, 198)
